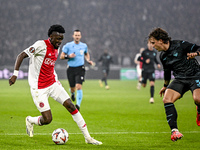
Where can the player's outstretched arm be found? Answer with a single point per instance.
(192, 55)
(18, 62)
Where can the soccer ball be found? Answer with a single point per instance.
(60, 136)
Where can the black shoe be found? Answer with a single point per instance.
(73, 97)
(78, 107)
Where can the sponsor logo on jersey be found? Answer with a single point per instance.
(32, 50)
(48, 61)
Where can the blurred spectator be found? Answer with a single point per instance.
(112, 24)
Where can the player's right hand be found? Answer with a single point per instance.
(12, 80)
(148, 60)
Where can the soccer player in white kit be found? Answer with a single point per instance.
(43, 82)
(139, 67)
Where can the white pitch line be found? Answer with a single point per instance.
(102, 133)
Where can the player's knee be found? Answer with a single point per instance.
(196, 99)
(69, 105)
(167, 100)
(78, 87)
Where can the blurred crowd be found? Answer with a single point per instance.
(120, 26)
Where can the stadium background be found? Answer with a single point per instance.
(121, 26)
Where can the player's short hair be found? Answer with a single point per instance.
(77, 30)
(57, 28)
(159, 33)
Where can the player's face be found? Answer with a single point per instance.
(56, 39)
(157, 44)
(77, 37)
(150, 45)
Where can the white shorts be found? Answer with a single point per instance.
(56, 91)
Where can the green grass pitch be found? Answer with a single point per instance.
(120, 117)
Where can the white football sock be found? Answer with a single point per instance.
(35, 120)
(81, 124)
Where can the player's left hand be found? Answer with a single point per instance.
(191, 55)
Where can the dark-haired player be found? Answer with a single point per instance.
(177, 56)
(44, 83)
(76, 52)
(148, 59)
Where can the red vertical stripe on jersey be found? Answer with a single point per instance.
(46, 76)
(141, 63)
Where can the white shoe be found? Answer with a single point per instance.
(107, 87)
(100, 83)
(151, 100)
(138, 86)
(29, 127)
(92, 141)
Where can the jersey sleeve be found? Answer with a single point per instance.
(35, 48)
(142, 58)
(65, 48)
(189, 47)
(86, 49)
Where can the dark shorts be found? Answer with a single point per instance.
(182, 85)
(147, 75)
(105, 71)
(76, 75)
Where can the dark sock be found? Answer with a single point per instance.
(198, 108)
(171, 114)
(106, 81)
(152, 91)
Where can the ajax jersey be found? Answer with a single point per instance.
(41, 65)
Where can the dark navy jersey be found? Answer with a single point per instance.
(106, 60)
(148, 54)
(175, 60)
